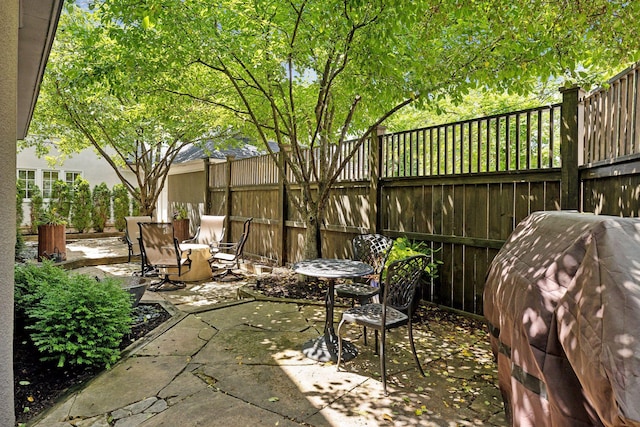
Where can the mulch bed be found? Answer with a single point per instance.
(37, 384)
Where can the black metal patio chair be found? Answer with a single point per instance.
(131, 237)
(372, 249)
(395, 310)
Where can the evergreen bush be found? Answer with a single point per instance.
(19, 217)
(61, 199)
(31, 282)
(37, 208)
(81, 206)
(72, 318)
(135, 203)
(120, 206)
(101, 211)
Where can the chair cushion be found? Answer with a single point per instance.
(224, 256)
(371, 315)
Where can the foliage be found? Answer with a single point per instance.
(135, 207)
(101, 206)
(180, 211)
(20, 193)
(81, 211)
(32, 281)
(74, 319)
(50, 216)
(314, 74)
(61, 198)
(37, 208)
(403, 248)
(90, 97)
(121, 203)
(477, 103)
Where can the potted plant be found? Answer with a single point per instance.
(181, 222)
(52, 242)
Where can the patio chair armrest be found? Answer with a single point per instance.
(227, 246)
(194, 238)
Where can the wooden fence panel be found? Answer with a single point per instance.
(478, 214)
(611, 125)
(461, 187)
(612, 189)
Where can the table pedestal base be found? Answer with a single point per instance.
(325, 349)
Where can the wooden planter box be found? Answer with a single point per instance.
(52, 242)
(181, 229)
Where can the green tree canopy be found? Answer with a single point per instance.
(92, 98)
(311, 74)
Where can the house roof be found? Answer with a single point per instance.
(209, 150)
(37, 28)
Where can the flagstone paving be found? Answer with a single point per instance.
(225, 360)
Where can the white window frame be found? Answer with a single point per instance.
(48, 181)
(27, 181)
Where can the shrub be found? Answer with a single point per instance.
(32, 280)
(19, 217)
(120, 206)
(101, 206)
(61, 199)
(81, 210)
(403, 248)
(37, 208)
(135, 203)
(73, 319)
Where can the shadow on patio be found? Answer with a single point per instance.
(223, 359)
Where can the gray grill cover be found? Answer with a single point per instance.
(562, 300)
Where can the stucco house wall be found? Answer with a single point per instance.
(87, 163)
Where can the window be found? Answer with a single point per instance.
(28, 178)
(70, 178)
(48, 178)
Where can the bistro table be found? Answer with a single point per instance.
(325, 347)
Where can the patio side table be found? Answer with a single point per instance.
(325, 347)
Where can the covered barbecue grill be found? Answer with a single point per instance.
(562, 301)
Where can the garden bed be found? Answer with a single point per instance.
(37, 385)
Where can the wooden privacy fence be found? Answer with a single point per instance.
(461, 187)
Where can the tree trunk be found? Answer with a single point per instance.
(312, 246)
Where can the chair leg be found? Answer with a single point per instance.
(154, 287)
(383, 365)
(339, 344)
(227, 272)
(413, 348)
(376, 351)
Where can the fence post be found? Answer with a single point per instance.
(571, 146)
(227, 199)
(207, 186)
(282, 212)
(375, 170)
